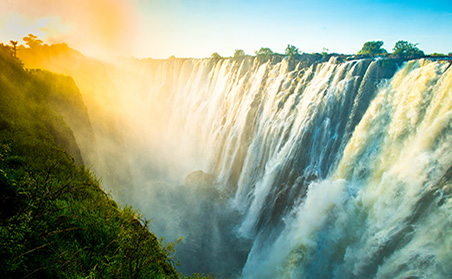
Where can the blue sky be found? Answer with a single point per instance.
(197, 28)
(340, 26)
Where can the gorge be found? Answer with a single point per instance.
(282, 169)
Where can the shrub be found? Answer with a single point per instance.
(291, 51)
(404, 49)
(263, 54)
(373, 48)
(239, 54)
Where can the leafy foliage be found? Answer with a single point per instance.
(8, 54)
(56, 222)
(263, 54)
(215, 56)
(32, 41)
(198, 276)
(14, 48)
(239, 54)
(404, 49)
(291, 51)
(438, 55)
(373, 48)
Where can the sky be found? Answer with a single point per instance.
(197, 28)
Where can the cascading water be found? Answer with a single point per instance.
(384, 211)
(333, 170)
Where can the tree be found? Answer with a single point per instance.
(438, 55)
(404, 49)
(215, 56)
(291, 51)
(14, 43)
(263, 54)
(239, 54)
(372, 48)
(325, 54)
(32, 40)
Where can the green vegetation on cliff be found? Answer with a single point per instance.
(291, 51)
(373, 48)
(404, 49)
(263, 54)
(239, 55)
(55, 221)
(215, 56)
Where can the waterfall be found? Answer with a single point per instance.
(338, 169)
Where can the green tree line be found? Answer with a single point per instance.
(402, 49)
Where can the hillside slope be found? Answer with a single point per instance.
(56, 222)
